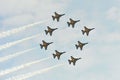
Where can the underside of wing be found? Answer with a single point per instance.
(56, 13)
(57, 18)
(81, 47)
(73, 25)
(48, 27)
(58, 57)
(74, 62)
(85, 27)
(50, 33)
(43, 42)
(72, 57)
(87, 33)
(45, 47)
(71, 20)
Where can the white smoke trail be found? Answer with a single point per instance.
(7, 45)
(7, 71)
(31, 74)
(16, 30)
(15, 55)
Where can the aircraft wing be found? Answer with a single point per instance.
(71, 20)
(74, 62)
(56, 13)
(58, 57)
(43, 42)
(79, 42)
(81, 47)
(48, 27)
(45, 47)
(72, 57)
(56, 51)
(85, 27)
(58, 19)
(73, 25)
(50, 33)
(87, 33)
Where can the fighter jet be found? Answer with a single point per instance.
(80, 45)
(72, 22)
(50, 30)
(57, 16)
(86, 30)
(73, 60)
(58, 54)
(45, 44)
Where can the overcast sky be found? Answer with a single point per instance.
(22, 25)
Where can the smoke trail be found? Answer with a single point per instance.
(15, 55)
(7, 45)
(31, 74)
(16, 30)
(2, 73)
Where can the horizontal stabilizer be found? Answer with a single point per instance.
(68, 24)
(53, 18)
(41, 46)
(54, 55)
(69, 61)
(46, 32)
(76, 46)
(83, 32)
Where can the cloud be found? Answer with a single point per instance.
(29, 6)
(114, 14)
(22, 12)
(2, 73)
(90, 59)
(67, 35)
(17, 20)
(14, 55)
(31, 74)
(10, 44)
(112, 37)
(16, 30)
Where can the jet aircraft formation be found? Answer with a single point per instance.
(50, 30)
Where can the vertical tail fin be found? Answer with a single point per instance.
(54, 55)
(68, 24)
(69, 61)
(41, 46)
(53, 18)
(76, 46)
(83, 32)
